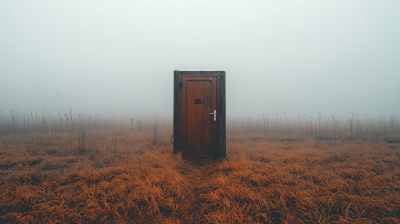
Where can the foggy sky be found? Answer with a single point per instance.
(299, 57)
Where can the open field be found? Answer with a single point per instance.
(123, 171)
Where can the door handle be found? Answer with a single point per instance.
(215, 115)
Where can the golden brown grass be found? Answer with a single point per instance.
(125, 178)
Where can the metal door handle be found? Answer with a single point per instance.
(215, 115)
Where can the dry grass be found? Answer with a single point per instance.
(266, 178)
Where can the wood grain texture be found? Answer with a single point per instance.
(200, 127)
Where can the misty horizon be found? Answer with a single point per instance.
(298, 58)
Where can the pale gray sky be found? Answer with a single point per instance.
(300, 57)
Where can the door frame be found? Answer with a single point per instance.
(220, 150)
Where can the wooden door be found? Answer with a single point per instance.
(198, 129)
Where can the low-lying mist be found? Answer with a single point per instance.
(23, 124)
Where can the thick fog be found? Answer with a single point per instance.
(298, 57)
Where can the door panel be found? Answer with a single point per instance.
(199, 99)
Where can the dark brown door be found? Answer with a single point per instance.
(199, 100)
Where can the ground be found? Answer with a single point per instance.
(133, 177)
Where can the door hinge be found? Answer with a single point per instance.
(180, 85)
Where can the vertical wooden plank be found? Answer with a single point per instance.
(183, 121)
(222, 108)
(208, 119)
(195, 128)
(214, 129)
(176, 112)
(199, 117)
(190, 118)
